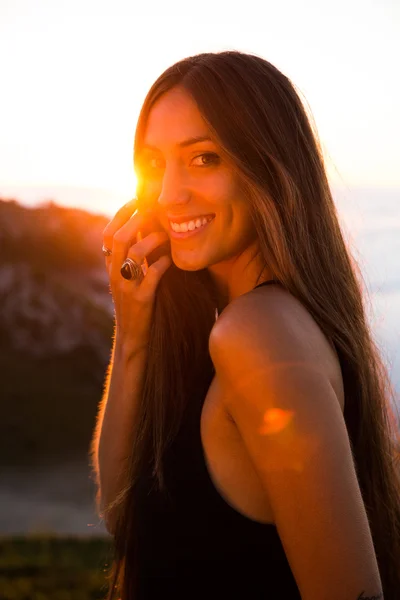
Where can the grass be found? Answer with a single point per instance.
(54, 568)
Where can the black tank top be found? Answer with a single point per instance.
(193, 544)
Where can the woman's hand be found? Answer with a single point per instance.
(133, 299)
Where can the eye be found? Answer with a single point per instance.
(205, 159)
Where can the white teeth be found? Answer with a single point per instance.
(190, 225)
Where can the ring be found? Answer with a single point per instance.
(131, 270)
(106, 251)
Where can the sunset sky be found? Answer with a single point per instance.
(74, 74)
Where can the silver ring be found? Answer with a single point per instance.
(132, 270)
(106, 251)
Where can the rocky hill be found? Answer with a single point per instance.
(56, 320)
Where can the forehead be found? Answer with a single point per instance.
(174, 118)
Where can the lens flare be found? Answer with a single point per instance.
(275, 420)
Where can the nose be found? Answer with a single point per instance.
(174, 189)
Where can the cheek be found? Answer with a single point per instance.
(231, 205)
(148, 193)
(242, 227)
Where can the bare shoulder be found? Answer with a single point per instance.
(270, 313)
(271, 324)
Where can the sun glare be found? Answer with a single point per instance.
(135, 183)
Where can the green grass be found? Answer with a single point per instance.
(54, 568)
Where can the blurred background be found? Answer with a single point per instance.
(73, 76)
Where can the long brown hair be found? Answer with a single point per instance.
(256, 114)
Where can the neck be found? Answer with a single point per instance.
(237, 276)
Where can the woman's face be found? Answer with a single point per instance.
(187, 180)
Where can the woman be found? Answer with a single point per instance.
(245, 446)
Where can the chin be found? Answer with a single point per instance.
(185, 264)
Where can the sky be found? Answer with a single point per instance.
(74, 75)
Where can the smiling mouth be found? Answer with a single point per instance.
(197, 226)
(190, 224)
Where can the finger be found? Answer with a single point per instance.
(137, 252)
(108, 261)
(123, 239)
(120, 218)
(108, 269)
(154, 275)
(131, 231)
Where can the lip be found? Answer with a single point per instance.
(181, 235)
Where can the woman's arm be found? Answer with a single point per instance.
(112, 440)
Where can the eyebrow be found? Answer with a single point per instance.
(185, 143)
